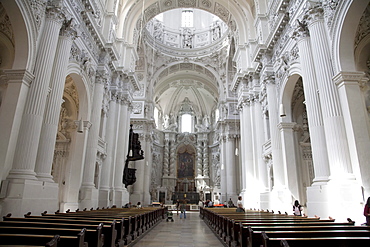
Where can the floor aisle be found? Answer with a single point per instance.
(189, 232)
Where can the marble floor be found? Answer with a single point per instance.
(189, 232)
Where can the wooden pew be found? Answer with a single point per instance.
(316, 242)
(134, 222)
(252, 236)
(9, 239)
(95, 240)
(92, 237)
(231, 227)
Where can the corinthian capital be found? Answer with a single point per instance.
(54, 11)
(314, 12)
(102, 77)
(268, 77)
(69, 29)
(300, 30)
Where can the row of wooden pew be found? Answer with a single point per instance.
(95, 228)
(261, 228)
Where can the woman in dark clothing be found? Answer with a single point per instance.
(367, 211)
(297, 209)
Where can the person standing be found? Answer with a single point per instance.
(367, 211)
(183, 209)
(297, 208)
(177, 206)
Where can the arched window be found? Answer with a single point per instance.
(186, 123)
(187, 18)
(156, 116)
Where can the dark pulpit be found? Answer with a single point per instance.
(134, 153)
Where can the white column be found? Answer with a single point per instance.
(278, 165)
(230, 166)
(314, 113)
(223, 180)
(356, 120)
(281, 196)
(199, 158)
(205, 159)
(259, 141)
(247, 152)
(108, 165)
(49, 129)
(166, 157)
(147, 167)
(89, 193)
(172, 157)
(18, 82)
(122, 144)
(29, 132)
(336, 139)
(289, 157)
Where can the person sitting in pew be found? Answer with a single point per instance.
(239, 205)
(297, 208)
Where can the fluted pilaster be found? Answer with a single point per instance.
(109, 163)
(336, 139)
(50, 124)
(230, 165)
(276, 148)
(314, 112)
(92, 141)
(30, 129)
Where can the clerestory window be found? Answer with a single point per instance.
(187, 18)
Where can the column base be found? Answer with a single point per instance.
(64, 206)
(120, 197)
(281, 199)
(33, 196)
(339, 199)
(88, 197)
(105, 198)
(135, 197)
(265, 201)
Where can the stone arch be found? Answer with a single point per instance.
(232, 13)
(80, 106)
(24, 38)
(344, 35)
(287, 93)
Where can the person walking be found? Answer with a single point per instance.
(177, 206)
(183, 209)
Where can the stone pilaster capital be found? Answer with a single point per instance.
(54, 11)
(314, 12)
(10, 76)
(268, 78)
(68, 29)
(124, 99)
(102, 77)
(350, 78)
(286, 126)
(300, 31)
